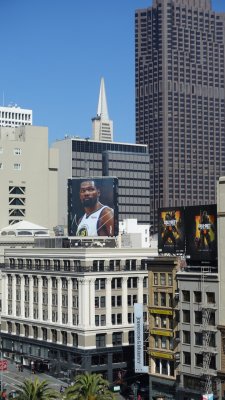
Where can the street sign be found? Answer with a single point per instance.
(3, 365)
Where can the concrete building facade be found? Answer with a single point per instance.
(200, 343)
(28, 176)
(180, 100)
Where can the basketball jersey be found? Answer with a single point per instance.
(88, 225)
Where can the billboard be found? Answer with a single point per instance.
(93, 206)
(171, 231)
(201, 232)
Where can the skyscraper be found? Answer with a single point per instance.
(180, 110)
(102, 126)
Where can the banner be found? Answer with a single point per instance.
(139, 339)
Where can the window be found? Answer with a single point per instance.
(101, 340)
(198, 317)
(156, 280)
(131, 337)
(100, 284)
(145, 299)
(187, 357)
(17, 152)
(156, 342)
(212, 319)
(170, 279)
(117, 338)
(186, 316)
(210, 297)
(132, 283)
(116, 283)
(17, 166)
(145, 282)
(199, 360)
(116, 319)
(163, 299)
(156, 298)
(163, 322)
(163, 342)
(75, 339)
(198, 339)
(162, 279)
(186, 295)
(44, 333)
(186, 337)
(212, 341)
(197, 297)
(157, 322)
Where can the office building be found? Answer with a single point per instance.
(180, 94)
(28, 175)
(102, 126)
(200, 343)
(221, 266)
(13, 116)
(72, 307)
(128, 162)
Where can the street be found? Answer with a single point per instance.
(12, 377)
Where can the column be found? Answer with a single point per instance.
(50, 298)
(4, 294)
(124, 300)
(92, 302)
(70, 302)
(85, 302)
(59, 286)
(31, 297)
(13, 295)
(80, 301)
(108, 294)
(22, 297)
(140, 289)
(40, 311)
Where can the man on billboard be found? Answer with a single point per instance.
(170, 230)
(98, 219)
(204, 228)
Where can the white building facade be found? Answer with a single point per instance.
(73, 307)
(13, 116)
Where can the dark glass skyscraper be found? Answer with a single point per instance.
(180, 95)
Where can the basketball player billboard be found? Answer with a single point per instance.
(171, 237)
(93, 206)
(201, 232)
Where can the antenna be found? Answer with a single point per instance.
(3, 98)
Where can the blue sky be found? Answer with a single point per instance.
(54, 53)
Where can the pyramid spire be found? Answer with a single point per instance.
(102, 126)
(102, 103)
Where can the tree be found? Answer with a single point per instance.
(89, 387)
(36, 390)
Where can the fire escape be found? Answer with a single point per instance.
(208, 329)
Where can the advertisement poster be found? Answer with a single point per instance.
(201, 232)
(93, 206)
(171, 230)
